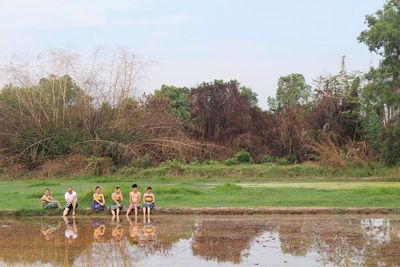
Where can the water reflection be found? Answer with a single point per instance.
(177, 241)
(99, 229)
(71, 229)
(48, 230)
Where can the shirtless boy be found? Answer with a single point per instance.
(134, 200)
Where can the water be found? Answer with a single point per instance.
(203, 241)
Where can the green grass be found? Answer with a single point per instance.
(19, 195)
(217, 185)
(263, 172)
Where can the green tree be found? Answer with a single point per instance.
(382, 93)
(292, 90)
(178, 98)
(250, 95)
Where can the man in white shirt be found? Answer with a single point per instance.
(71, 200)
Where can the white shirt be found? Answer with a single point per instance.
(69, 197)
(69, 233)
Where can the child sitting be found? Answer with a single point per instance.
(134, 200)
(149, 203)
(98, 200)
(48, 202)
(116, 204)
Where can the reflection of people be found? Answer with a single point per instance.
(71, 230)
(48, 230)
(99, 230)
(149, 203)
(98, 200)
(149, 232)
(134, 200)
(118, 233)
(71, 200)
(48, 202)
(134, 231)
(116, 204)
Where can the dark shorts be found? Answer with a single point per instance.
(70, 206)
(149, 205)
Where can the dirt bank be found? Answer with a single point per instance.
(218, 211)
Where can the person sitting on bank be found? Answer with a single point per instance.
(48, 202)
(149, 203)
(71, 199)
(134, 200)
(98, 200)
(116, 204)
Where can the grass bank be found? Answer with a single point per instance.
(264, 172)
(215, 185)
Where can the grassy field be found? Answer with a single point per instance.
(217, 185)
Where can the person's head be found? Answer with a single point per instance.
(149, 189)
(47, 192)
(69, 189)
(134, 188)
(117, 189)
(98, 189)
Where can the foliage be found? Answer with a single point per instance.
(392, 144)
(243, 157)
(214, 109)
(100, 166)
(382, 93)
(249, 94)
(178, 100)
(292, 90)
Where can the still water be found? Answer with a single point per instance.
(203, 241)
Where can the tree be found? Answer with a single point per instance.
(336, 105)
(382, 94)
(178, 99)
(292, 90)
(383, 37)
(249, 94)
(218, 111)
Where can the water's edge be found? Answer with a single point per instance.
(217, 211)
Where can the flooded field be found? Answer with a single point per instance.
(203, 241)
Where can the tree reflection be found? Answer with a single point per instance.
(224, 240)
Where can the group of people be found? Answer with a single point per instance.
(99, 203)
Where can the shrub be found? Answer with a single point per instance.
(243, 157)
(143, 162)
(100, 166)
(282, 161)
(194, 162)
(175, 167)
(391, 146)
(267, 158)
(230, 162)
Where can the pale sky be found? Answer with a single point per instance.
(253, 41)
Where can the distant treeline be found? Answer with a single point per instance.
(341, 119)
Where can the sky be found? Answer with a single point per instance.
(190, 41)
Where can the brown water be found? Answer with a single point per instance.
(203, 241)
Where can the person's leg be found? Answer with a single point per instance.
(128, 211)
(118, 211)
(136, 214)
(74, 208)
(113, 213)
(148, 214)
(65, 213)
(144, 213)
